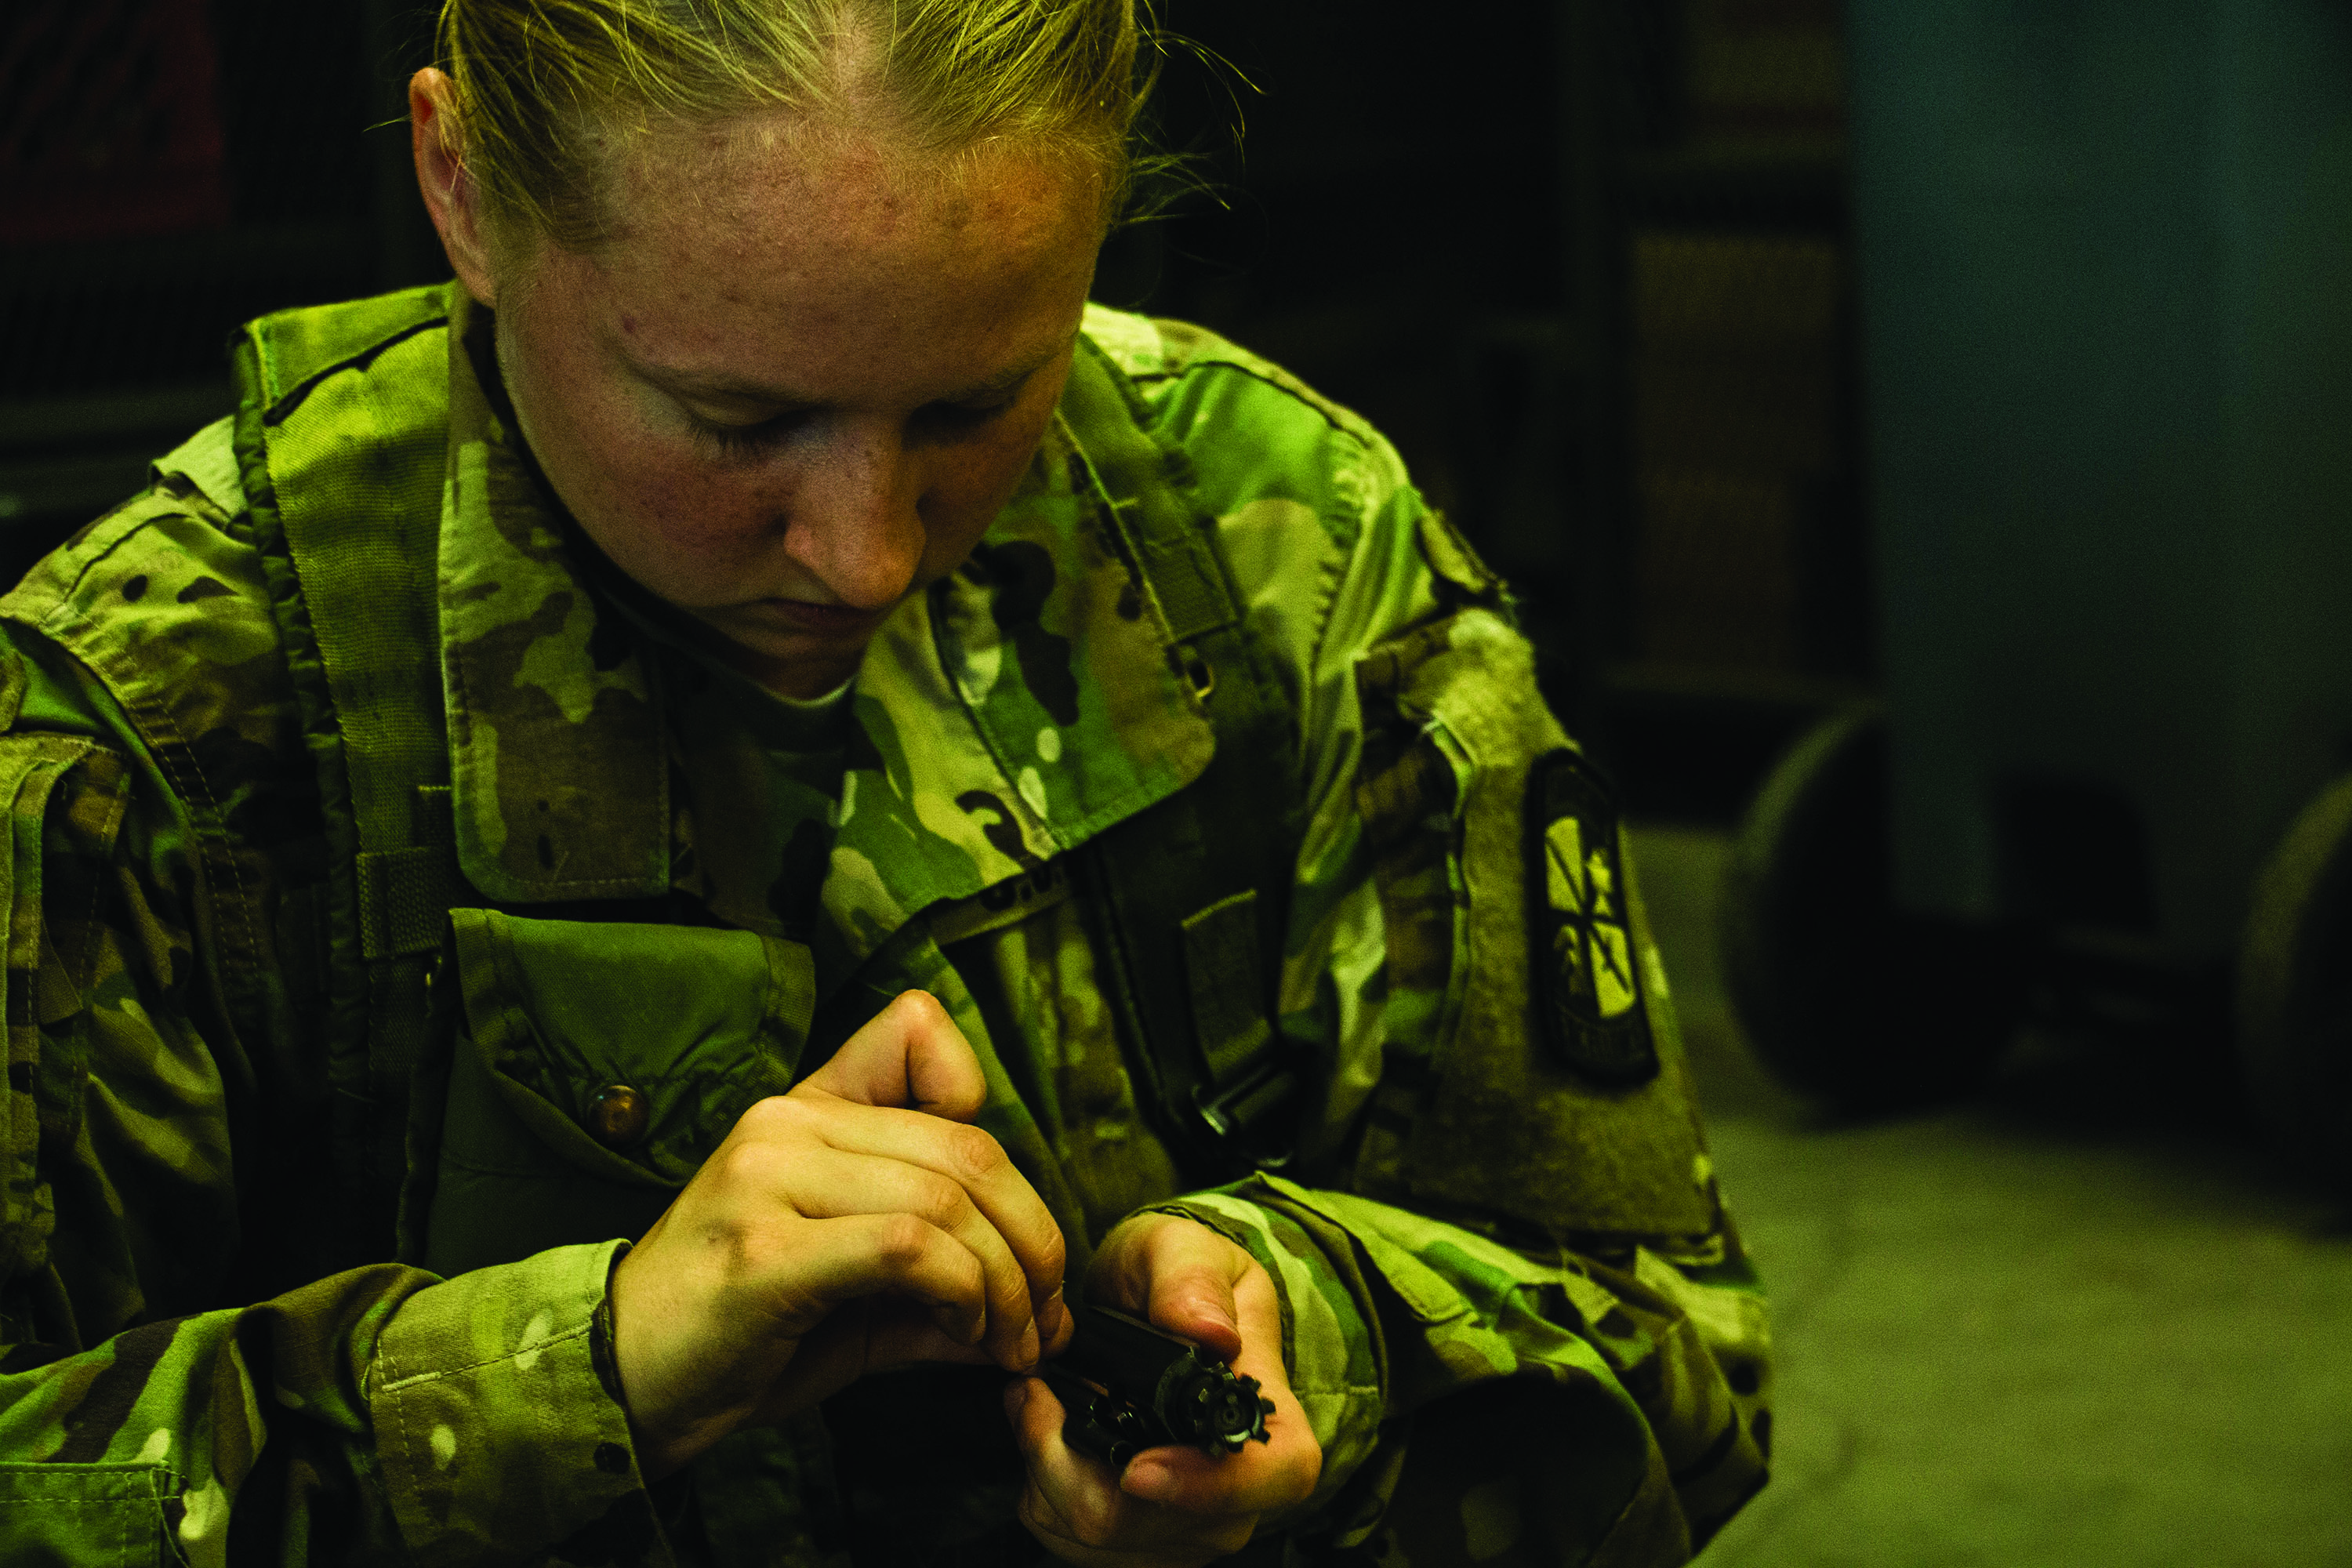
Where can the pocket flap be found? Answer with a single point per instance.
(700, 1024)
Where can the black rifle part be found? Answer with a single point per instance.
(1126, 1386)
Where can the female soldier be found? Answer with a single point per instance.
(483, 800)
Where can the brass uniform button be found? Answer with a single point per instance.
(617, 1116)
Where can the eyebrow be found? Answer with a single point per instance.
(695, 384)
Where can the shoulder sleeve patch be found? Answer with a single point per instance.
(1585, 961)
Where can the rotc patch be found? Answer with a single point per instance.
(1584, 965)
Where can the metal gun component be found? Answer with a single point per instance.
(1126, 1386)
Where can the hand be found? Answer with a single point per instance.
(855, 1224)
(1172, 1508)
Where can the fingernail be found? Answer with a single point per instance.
(1029, 1344)
(1148, 1482)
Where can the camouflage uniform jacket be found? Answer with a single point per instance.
(1514, 1309)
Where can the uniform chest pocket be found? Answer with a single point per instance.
(591, 1068)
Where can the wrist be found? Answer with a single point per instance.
(666, 1436)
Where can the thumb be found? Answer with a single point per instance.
(910, 1054)
(1181, 1275)
(1197, 1303)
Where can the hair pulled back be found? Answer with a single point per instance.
(536, 81)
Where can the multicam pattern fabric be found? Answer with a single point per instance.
(1487, 1387)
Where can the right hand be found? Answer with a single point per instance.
(855, 1224)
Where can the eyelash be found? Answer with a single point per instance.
(737, 441)
(965, 416)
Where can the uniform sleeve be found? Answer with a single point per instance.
(1573, 1402)
(1494, 1376)
(467, 1420)
(144, 1417)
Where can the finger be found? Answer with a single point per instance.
(1057, 1322)
(901, 1334)
(829, 1182)
(834, 1261)
(1081, 1500)
(1069, 1495)
(1261, 1478)
(974, 1162)
(910, 1054)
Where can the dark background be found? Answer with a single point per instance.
(1533, 248)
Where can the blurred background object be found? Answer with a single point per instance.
(169, 169)
(2102, 249)
(113, 127)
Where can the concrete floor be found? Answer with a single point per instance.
(2082, 1320)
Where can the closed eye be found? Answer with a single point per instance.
(949, 417)
(743, 440)
(757, 437)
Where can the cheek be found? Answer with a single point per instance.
(679, 505)
(654, 502)
(967, 491)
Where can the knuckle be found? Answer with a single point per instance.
(746, 1162)
(773, 1120)
(918, 1013)
(942, 1202)
(919, 1005)
(971, 1153)
(764, 1113)
(901, 1239)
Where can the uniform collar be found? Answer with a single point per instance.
(1003, 718)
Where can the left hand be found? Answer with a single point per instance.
(1173, 1507)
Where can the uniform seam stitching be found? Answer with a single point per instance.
(100, 553)
(417, 1379)
(1312, 401)
(404, 1431)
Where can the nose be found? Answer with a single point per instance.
(855, 523)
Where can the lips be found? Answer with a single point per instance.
(822, 620)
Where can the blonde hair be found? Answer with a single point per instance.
(536, 81)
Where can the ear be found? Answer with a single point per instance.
(450, 193)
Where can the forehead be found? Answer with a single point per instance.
(762, 173)
(765, 237)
